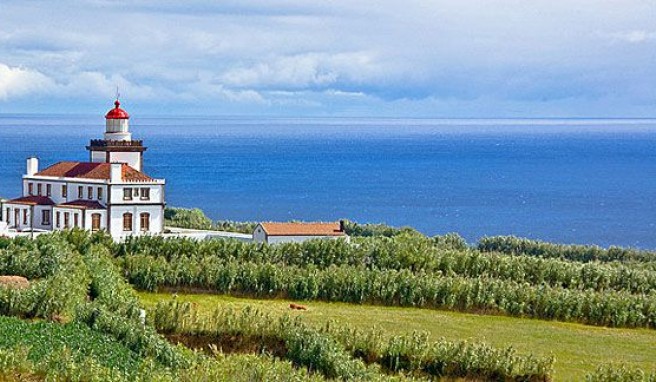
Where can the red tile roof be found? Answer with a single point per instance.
(88, 170)
(302, 229)
(82, 204)
(33, 201)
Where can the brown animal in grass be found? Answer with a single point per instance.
(57, 318)
(17, 282)
(297, 307)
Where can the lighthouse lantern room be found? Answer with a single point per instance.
(117, 144)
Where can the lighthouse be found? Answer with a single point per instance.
(117, 145)
(109, 193)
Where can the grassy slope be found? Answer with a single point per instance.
(43, 338)
(578, 348)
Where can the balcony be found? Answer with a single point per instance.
(104, 143)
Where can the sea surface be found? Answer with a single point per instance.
(569, 181)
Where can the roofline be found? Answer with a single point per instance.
(333, 233)
(92, 180)
(27, 203)
(336, 234)
(74, 180)
(75, 207)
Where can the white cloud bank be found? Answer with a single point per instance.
(20, 82)
(438, 58)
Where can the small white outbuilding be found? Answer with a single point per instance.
(273, 233)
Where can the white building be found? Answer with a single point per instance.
(110, 192)
(273, 233)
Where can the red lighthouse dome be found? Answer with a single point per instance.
(117, 112)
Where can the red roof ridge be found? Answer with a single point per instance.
(92, 170)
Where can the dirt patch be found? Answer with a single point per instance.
(15, 282)
(231, 343)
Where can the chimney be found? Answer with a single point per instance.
(116, 172)
(341, 226)
(32, 166)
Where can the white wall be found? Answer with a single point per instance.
(98, 156)
(116, 220)
(156, 193)
(56, 190)
(88, 219)
(38, 217)
(131, 158)
(71, 222)
(20, 225)
(258, 234)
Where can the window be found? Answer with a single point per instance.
(25, 216)
(45, 217)
(100, 193)
(8, 214)
(67, 219)
(95, 222)
(39, 188)
(136, 192)
(64, 191)
(58, 219)
(127, 221)
(145, 194)
(90, 192)
(48, 189)
(127, 193)
(30, 188)
(16, 217)
(80, 192)
(145, 221)
(75, 220)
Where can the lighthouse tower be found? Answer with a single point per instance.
(117, 145)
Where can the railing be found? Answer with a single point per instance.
(104, 143)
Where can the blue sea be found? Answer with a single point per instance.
(569, 181)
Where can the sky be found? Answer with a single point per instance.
(356, 58)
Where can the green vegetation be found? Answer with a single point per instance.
(372, 230)
(577, 349)
(582, 253)
(402, 288)
(196, 219)
(331, 349)
(99, 304)
(42, 338)
(442, 255)
(620, 374)
(81, 282)
(407, 270)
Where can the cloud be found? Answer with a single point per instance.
(308, 70)
(634, 36)
(20, 82)
(330, 57)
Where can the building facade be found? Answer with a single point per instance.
(110, 192)
(274, 233)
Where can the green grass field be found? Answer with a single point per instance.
(578, 349)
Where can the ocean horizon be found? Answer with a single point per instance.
(585, 181)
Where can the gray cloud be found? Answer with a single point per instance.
(322, 57)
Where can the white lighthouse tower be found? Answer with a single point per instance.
(117, 145)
